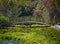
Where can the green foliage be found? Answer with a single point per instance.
(31, 35)
(18, 7)
(4, 4)
(4, 19)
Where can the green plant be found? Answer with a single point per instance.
(4, 19)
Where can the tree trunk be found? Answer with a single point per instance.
(48, 11)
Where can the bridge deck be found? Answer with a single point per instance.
(29, 23)
(26, 23)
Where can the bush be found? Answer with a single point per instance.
(4, 19)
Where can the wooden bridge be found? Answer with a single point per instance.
(26, 23)
(29, 23)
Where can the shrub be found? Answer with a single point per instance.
(4, 19)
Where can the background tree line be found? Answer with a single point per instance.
(50, 9)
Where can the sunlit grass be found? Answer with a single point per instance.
(26, 35)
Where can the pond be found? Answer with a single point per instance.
(10, 42)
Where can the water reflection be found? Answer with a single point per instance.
(10, 42)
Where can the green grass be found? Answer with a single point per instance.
(26, 35)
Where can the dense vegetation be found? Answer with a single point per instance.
(47, 11)
(17, 8)
(28, 35)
